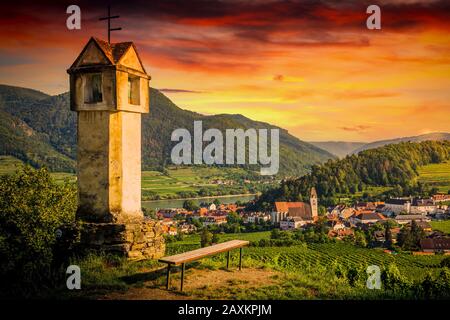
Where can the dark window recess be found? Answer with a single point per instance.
(93, 88)
(134, 90)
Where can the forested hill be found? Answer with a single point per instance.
(41, 130)
(391, 165)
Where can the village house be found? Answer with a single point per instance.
(408, 218)
(336, 210)
(380, 235)
(346, 213)
(367, 217)
(397, 205)
(171, 212)
(440, 197)
(425, 226)
(367, 205)
(215, 220)
(256, 217)
(436, 245)
(167, 221)
(423, 206)
(332, 216)
(339, 234)
(441, 213)
(337, 225)
(290, 223)
(187, 228)
(201, 212)
(169, 229)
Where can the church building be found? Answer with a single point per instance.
(291, 215)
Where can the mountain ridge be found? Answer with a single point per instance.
(338, 148)
(434, 136)
(54, 127)
(344, 148)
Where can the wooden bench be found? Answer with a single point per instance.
(189, 256)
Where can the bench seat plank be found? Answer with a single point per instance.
(204, 252)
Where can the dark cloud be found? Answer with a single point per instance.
(216, 35)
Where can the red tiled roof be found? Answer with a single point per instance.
(303, 211)
(435, 243)
(284, 206)
(364, 215)
(113, 51)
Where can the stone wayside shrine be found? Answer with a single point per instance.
(109, 90)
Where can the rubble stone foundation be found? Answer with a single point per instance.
(136, 241)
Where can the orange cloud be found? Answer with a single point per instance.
(310, 66)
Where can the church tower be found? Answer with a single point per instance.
(313, 202)
(109, 90)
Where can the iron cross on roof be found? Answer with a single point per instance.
(109, 17)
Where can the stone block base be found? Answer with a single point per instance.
(136, 241)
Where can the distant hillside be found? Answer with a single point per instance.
(396, 166)
(53, 128)
(437, 136)
(338, 148)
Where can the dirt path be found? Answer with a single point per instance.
(201, 284)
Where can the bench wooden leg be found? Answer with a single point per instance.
(182, 276)
(228, 259)
(240, 258)
(168, 277)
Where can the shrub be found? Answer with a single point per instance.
(205, 238)
(32, 209)
(435, 288)
(445, 263)
(393, 280)
(339, 270)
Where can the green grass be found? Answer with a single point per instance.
(436, 175)
(188, 179)
(176, 183)
(9, 164)
(443, 226)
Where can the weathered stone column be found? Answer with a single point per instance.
(109, 90)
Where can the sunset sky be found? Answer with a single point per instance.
(311, 67)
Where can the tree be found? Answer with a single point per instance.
(215, 238)
(434, 191)
(322, 210)
(149, 213)
(417, 234)
(445, 263)
(275, 234)
(387, 236)
(37, 224)
(190, 205)
(404, 238)
(233, 217)
(360, 239)
(393, 280)
(205, 238)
